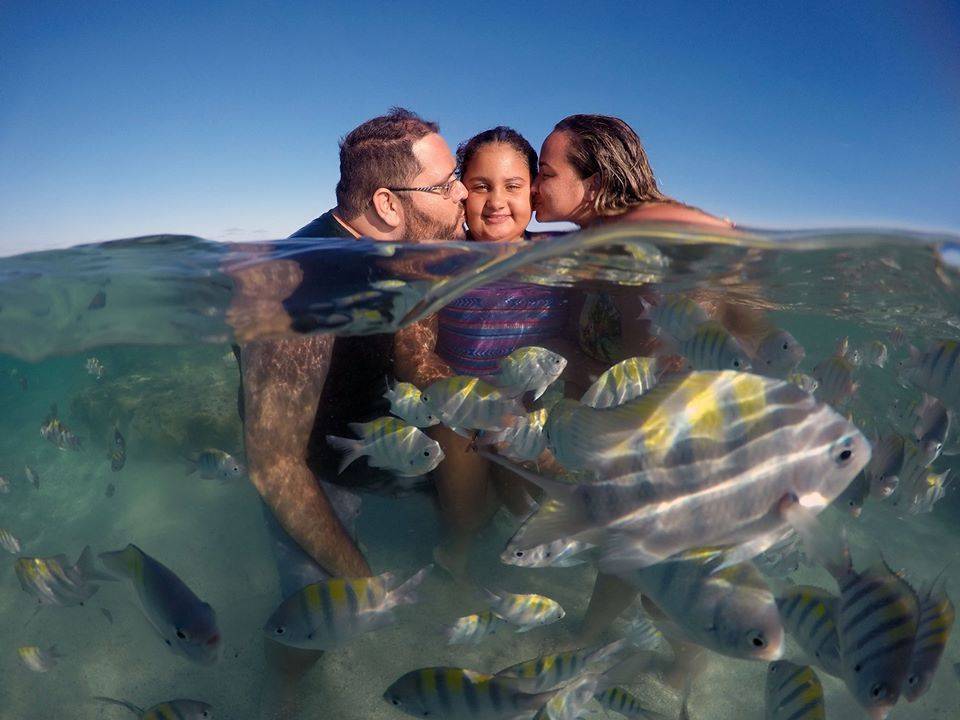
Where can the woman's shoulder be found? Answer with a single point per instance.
(672, 212)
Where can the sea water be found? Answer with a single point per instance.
(161, 314)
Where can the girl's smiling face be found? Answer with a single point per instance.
(498, 180)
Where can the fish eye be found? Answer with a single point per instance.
(518, 553)
(736, 363)
(878, 690)
(844, 456)
(786, 346)
(913, 680)
(426, 453)
(279, 630)
(181, 634)
(757, 640)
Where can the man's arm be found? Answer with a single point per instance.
(282, 382)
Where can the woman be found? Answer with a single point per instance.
(594, 171)
(469, 336)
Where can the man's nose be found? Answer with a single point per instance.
(459, 192)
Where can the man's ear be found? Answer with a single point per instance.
(386, 205)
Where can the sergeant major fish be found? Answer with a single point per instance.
(793, 692)
(528, 369)
(623, 382)
(524, 440)
(390, 444)
(936, 371)
(215, 464)
(406, 402)
(328, 614)
(9, 542)
(810, 616)
(549, 672)
(184, 622)
(169, 710)
(466, 403)
(54, 431)
(38, 659)
(54, 581)
(712, 347)
(525, 611)
(778, 354)
(675, 317)
(559, 553)
(474, 628)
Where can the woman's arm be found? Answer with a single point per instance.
(415, 354)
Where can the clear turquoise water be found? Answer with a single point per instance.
(170, 383)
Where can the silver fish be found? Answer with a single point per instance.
(32, 476)
(38, 659)
(884, 467)
(390, 444)
(524, 440)
(674, 317)
(185, 623)
(179, 709)
(936, 371)
(804, 382)
(525, 611)
(623, 382)
(781, 558)
(712, 347)
(937, 616)
(215, 464)
(834, 376)
(473, 629)
(664, 458)
(569, 702)
(329, 614)
(920, 497)
(4, 486)
(810, 616)
(793, 692)
(932, 426)
(852, 499)
(468, 403)
(54, 581)
(620, 701)
(528, 369)
(778, 354)
(730, 610)
(9, 542)
(564, 552)
(406, 402)
(549, 672)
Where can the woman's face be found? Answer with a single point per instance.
(559, 193)
(498, 204)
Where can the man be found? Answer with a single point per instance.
(397, 182)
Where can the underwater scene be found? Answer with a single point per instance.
(718, 481)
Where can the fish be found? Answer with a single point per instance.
(549, 672)
(406, 402)
(54, 581)
(179, 709)
(793, 692)
(877, 354)
(528, 369)
(524, 440)
(937, 616)
(643, 634)
(456, 693)
(328, 614)
(936, 371)
(215, 464)
(921, 496)
(94, 367)
(551, 396)
(809, 615)
(32, 476)
(110, 490)
(712, 347)
(778, 354)
(568, 702)
(559, 553)
(525, 611)
(9, 542)
(107, 614)
(663, 459)
(118, 458)
(473, 629)
(897, 336)
(390, 444)
(468, 403)
(884, 467)
(675, 317)
(185, 623)
(623, 382)
(57, 433)
(834, 376)
(730, 610)
(38, 659)
(852, 499)
(932, 426)
(878, 615)
(98, 301)
(119, 442)
(623, 702)
(804, 382)
(4, 486)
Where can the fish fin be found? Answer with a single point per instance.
(406, 593)
(623, 553)
(488, 596)
(351, 448)
(609, 651)
(626, 671)
(566, 516)
(823, 546)
(118, 561)
(122, 703)
(537, 392)
(88, 568)
(192, 464)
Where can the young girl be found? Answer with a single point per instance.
(471, 334)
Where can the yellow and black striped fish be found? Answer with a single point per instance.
(793, 692)
(937, 615)
(474, 628)
(527, 611)
(810, 615)
(621, 701)
(169, 710)
(621, 383)
(549, 672)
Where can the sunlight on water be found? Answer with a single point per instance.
(135, 337)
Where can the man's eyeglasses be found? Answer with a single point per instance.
(444, 191)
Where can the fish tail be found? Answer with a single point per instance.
(122, 703)
(192, 464)
(608, 652)
(626, 671)
(407, 593)
(118, 561)
(88, 568)
(351, 448)
(823, 546)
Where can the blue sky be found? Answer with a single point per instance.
(222, 119)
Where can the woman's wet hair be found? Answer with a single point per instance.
(607, 147)
(500, 134)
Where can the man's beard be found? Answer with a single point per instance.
(420, 226)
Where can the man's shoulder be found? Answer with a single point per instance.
(325, 226)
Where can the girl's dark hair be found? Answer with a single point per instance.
(609, 148)
(499, 134)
